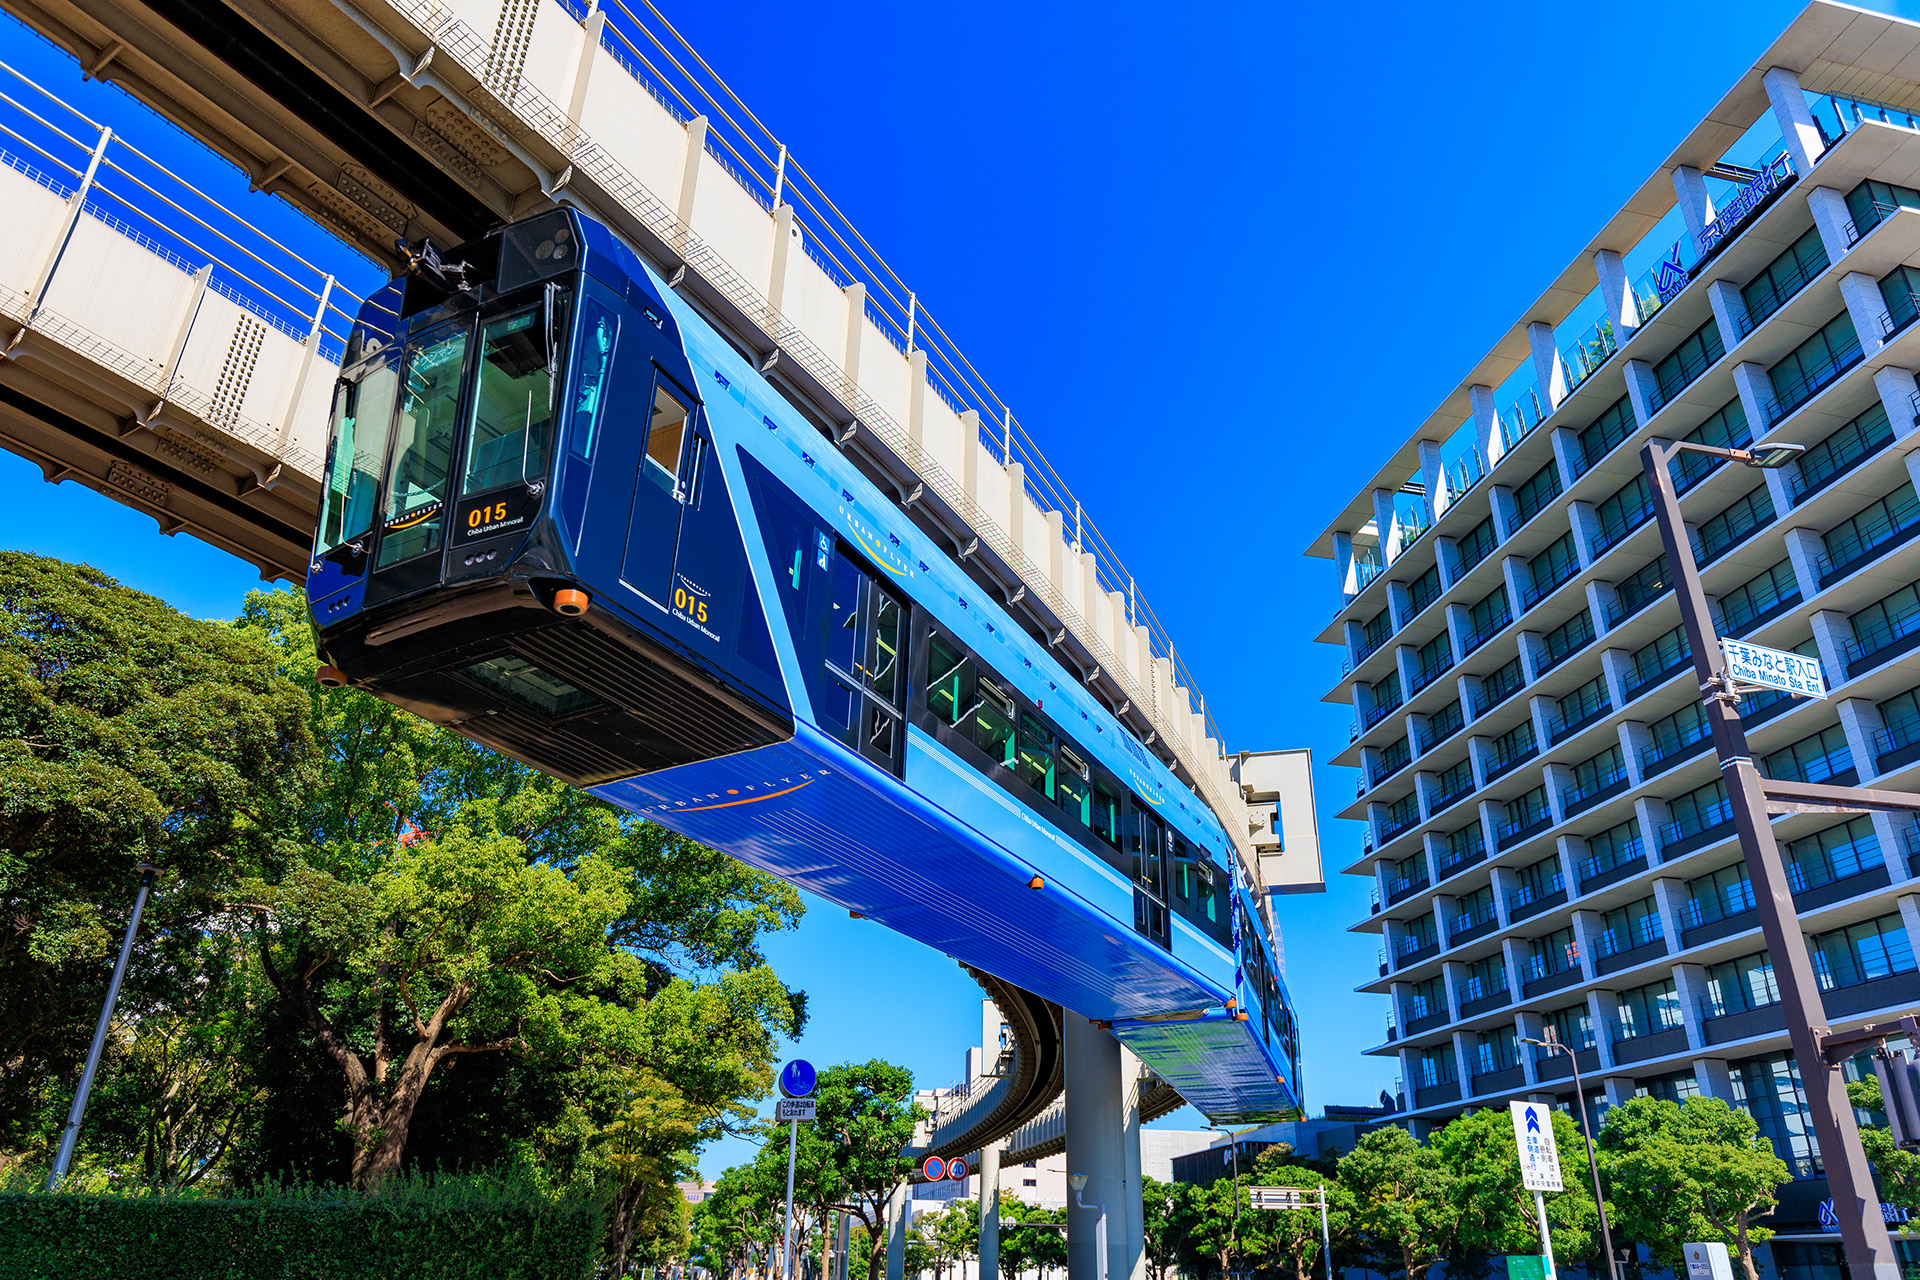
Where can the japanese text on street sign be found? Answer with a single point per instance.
(793, 1109)
(1533, 1135)
(1284, 1197)
(1773, 669)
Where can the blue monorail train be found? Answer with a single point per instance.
(566, 519)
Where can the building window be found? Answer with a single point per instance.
(1029, 1182)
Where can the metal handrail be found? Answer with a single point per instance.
(684, 75)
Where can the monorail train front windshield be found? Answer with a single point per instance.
(453, 425)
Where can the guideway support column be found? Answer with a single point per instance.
(989, 1246)
(897, 1213)
(1097, 1139)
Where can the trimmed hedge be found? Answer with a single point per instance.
(452, 1229)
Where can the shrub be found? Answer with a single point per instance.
(447, 1228)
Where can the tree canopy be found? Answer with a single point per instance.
(374, 945)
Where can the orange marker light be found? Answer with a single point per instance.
(1036, 883)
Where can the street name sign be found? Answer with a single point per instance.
(1774, 668)
(1284, 1197)
(1539, 1158)
(785, 1109)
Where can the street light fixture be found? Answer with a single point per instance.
(1553, 1044)
(1863, 1231)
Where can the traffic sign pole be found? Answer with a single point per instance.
(1326, 1235)
(1546, 1243)
(793, 1133)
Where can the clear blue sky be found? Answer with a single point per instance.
(1219, 259)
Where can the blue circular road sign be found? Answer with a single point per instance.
(796, 1078)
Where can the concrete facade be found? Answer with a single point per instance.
(1544, 834)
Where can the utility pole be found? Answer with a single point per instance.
(1863, 1231)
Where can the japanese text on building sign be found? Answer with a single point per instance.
(1744, 202)
(1774, 669)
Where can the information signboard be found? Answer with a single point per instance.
(1753, 664)
(785, 1109)
(1539, 1158)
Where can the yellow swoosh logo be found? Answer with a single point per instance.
(728, 804)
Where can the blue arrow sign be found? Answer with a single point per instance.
(1533, 1120)
(797, 1079)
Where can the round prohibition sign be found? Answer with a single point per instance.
(933, 1168)
(957, 1169)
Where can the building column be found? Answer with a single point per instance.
(1729, 312)
(989, 1246)
(1714, 1078)
(1900, 397)
(1546, 366)
(1860, 720)
(1790, 110)
(1833, 220)
(1696, 206)
(1756, 393)
(1434, 476)
(1616, 293)
(1861, 293)
(1095, 1132)
(1486, 425)
(899, 1209)
(1386, 520)
(1131, 1262)
(1690, 984)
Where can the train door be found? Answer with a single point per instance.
(661, 491)
(864, 694)
(1150, 839)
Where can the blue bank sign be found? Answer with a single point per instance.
(1745, 202)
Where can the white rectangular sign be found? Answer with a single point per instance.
(1774, 669)
(1533, 1135)
(793, 1109)
(1284, 1197)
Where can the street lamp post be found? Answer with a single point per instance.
(1553, 1044)
(1863, 1231)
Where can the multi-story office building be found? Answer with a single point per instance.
(1547, 831)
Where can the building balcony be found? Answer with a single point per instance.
(1498, 998)
(1812, 383)
(1882, 645)
(1399, 890)
(1560, 729)
(1531, 900)
(1623, 863)
(1671, 750)
(1506, 1080)
(1640, 685)
(1618, 961)
(1576, 800)
(1437, 1094)
(1475, 924)
(1896, 746)
(1557, 1066)
(1711, 824)
(1878, 543)
(1547, 983)
(1652, 1044)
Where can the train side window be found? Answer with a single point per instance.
(993, 724)
(666, 442)
(423, 445)
(883, 665)
(1106, 816)
(1036, 755)
(362, 418)
(949, 680)
(1075, 792)
(599, 334)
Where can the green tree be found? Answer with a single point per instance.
(435, 900)
(1162, 1225)
(129, 733)
(1697, 1170)
(1031, 1237)
(1403, 1200)
(1294, 1235)
(1495, 1213)
(850, 1156)
(1897, 1170)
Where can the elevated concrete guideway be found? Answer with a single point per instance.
(156, 347)
(391, 118)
